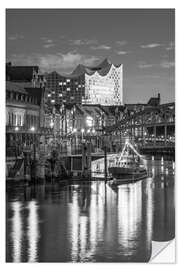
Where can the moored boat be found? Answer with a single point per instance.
(128, 167)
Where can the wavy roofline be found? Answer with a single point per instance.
(83, 69)
(103, 75)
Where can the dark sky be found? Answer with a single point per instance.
(59, 39)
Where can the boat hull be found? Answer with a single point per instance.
(125, 175)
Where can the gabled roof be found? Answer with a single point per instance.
(154, 101)
(17, 87)
(20, 73)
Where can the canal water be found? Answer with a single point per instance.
(91, 222)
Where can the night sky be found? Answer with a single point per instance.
(59, 39)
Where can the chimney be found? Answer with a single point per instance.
(159, 97)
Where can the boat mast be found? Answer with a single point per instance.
(128, 144)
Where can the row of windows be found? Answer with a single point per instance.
(14, 119)
(19, 120)
(69, 92)
(20, 97)
(64, 82)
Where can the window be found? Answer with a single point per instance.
(9, 118)
(19, 124)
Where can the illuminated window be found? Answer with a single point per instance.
(89, 121)
(67, 80)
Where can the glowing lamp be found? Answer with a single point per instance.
(32, 128)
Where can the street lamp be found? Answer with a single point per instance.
(16, 130)
(51, 124)
(33, 164)
(32, 129)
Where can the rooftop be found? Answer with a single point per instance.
(25, 88)
(17, 86)
(20, 73)
(102, 68)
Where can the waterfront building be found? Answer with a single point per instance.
(32, 103)
(101, 84)
(25, 74)
(23, 114)
(25, 88)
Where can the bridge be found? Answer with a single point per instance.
(152, 128)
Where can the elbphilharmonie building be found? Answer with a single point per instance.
(101, 84)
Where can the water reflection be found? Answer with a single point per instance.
(16, 232)
(111, 225)
(92, 221)
(32, 231)
(164, 213)
(163, 200)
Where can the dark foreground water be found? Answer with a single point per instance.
(91, 222)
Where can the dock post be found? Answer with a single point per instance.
(105, 162)
(105, 159)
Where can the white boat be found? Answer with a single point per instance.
(127, 167)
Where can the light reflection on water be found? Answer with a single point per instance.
(92, 221)
(32, 231)
(17, 231)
